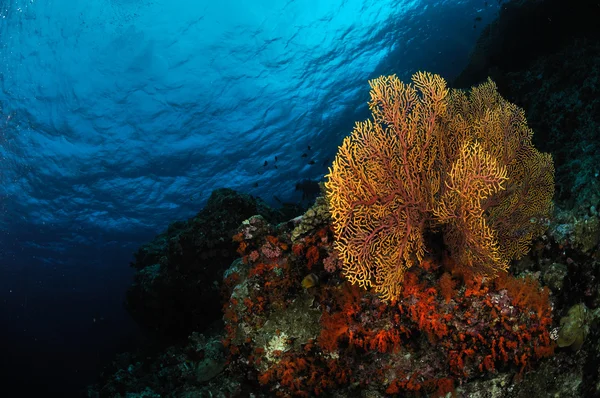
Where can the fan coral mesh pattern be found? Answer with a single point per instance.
(433, 158)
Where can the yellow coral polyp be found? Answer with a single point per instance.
(432, 157)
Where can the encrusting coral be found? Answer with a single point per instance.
(434, 159)
(444, 329)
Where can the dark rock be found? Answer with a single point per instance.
(177, 287)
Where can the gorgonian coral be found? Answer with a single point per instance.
(436, 159)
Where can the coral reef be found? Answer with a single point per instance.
(434, 159)
(445, 329)
(448, 332)
(294, 326)
(317, 216)
(574, 327)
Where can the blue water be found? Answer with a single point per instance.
(120, 116)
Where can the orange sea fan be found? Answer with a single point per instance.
(434, 159)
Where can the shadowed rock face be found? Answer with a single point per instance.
(525, 31)
(177, 287)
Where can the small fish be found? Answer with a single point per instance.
(255, 185)
(310, 280)
(275, 158)
(304, 155)
(311, 162)
(477, 19)
(265, 164)
(309, 147)
(276, 167)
